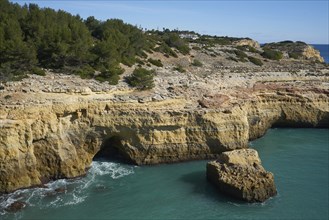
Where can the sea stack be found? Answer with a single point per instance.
(240, 174)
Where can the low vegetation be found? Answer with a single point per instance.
(240, 54)
(213, 40)
(232, 58)
(294, 55)
(180, 69)
(38, 71)
(272, 54)
(255, 61)
(141, 78)
(197, 63)
(247, 48)
(157, 63)
(110, 75)
(293, 49)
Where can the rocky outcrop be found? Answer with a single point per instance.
(296, 50)
(239, 173)
(247, 42)
(312, 54)
(15, 206)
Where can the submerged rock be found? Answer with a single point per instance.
(15, 206)
(60, 190)
(239, 173)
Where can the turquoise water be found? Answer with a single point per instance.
(297, 157)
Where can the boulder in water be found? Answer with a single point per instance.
(60, 190)
(15, 206)
(239, 173)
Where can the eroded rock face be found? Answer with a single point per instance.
(239, 173)
(46, 135)
(310, 53)
(39, 143)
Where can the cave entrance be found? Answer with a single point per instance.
(112, 150)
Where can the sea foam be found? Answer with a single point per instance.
(73, 191)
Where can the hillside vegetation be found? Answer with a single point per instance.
(33, 39)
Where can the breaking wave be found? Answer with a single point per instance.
(64, 192)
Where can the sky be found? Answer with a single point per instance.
(265, 21)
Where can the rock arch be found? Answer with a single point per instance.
(112, 148)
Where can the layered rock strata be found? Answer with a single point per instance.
(239, 173)
(52, 127)
(59, 140)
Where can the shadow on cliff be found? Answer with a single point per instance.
(204, 188)
(111, 150)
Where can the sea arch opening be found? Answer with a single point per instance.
(112, 149)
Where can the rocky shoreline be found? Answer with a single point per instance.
(53, 126)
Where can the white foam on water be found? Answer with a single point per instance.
(76, 200)
(105, 168)
(75, 191)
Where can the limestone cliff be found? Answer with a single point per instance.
(51, 127)
(310, 53)
(44, 142)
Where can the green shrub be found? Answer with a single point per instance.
(173, 40)
(247, 48)
(155, 62)
(240, 54)
(86, 72)
(166, 50)
(294, 55)
(197, 63)
(232, 58)
(229, 51)
(128, 61)
(243, 48)
(141, 79)
(139, 61)
(252, 49)
(272, 54)
(38, 71)
(180, 69)
(110, 75)
(142, 54)
(112, 79)
(255, 61)
(196, 48)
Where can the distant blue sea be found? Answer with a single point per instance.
(324, 50)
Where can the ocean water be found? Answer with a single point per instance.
(111, 190)
(324, 50)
